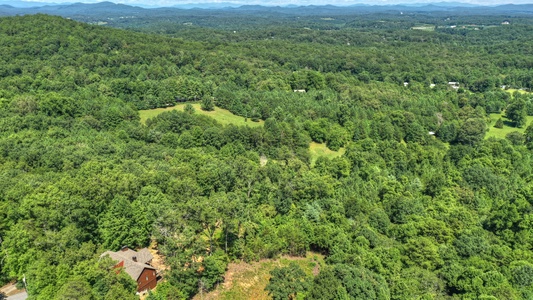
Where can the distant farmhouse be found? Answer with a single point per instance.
(137, 265)
(506, 22)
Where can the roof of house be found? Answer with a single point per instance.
(127, 258)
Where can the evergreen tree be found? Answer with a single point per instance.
(499, 123)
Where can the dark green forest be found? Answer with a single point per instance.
(420, 206)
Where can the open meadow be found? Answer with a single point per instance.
(223, 116)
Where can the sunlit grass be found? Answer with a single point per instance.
(424, 27)
(316, 150)
(511, 91)
(508, 126)
(223, 116)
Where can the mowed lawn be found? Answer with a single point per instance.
(244, 281)
(507, 126)
(223, 116)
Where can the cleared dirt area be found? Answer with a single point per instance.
(158, 261)
(248, 280)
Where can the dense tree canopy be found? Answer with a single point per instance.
(401, 214)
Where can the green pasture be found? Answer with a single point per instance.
(223, 116)
(508, 126)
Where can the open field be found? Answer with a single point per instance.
(507, 126)
(517, 90)
(223, 116)
(248, 281)
(424, 27)
(316, 150)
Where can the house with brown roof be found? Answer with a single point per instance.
(137, 265)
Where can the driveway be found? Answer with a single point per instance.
(10, 292)
(20, 296)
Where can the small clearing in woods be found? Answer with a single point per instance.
(508, 126)
(248, 280)
(223, 116)
(510, 91)
(316, 150)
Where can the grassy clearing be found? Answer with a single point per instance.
(511, 91)
(507, 126)
(316, 150)
(248, 281)
(424, 27)
(223, 116)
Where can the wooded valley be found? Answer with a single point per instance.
(419, 203)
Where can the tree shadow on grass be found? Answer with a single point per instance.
(509, 124)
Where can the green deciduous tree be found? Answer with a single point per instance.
(516, 112)
(189, 109)
(471, 131)
(515, 137)
(207, 104)
(361, 283)
(75, 289)
(287, 282)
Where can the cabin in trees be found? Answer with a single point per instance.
(137, 265)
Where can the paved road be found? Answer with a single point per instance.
(19, 296)
(10, 292)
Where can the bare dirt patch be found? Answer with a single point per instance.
(248, 280)
(158, 261)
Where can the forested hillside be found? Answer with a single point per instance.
(419, 206)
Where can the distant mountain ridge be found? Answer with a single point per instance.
(27, 4)
(111, 10)
(210, 5)
(218, 5)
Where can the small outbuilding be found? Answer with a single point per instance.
(453, 84)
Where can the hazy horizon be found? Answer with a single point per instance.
(277, 2)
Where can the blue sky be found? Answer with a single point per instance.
(286, 2)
